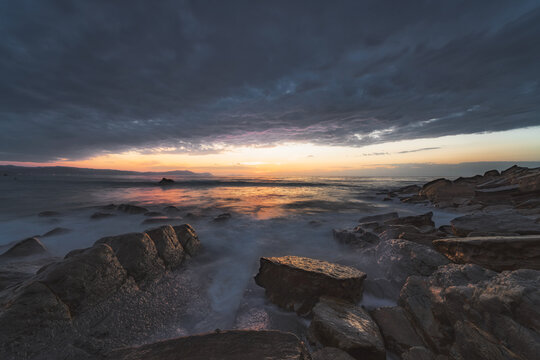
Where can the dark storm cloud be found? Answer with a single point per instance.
(80, 78)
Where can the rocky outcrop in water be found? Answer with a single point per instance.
(500, 224)
(222, 345)
(165, 181)
(296, 283)
(52, 301)
(27, 247)
(493, 252)
(518, 187)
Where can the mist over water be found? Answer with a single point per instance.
(270, 217)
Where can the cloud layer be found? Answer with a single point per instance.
(85, 78)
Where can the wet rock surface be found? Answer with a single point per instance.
(468, 312)
(346, 326)
(223, 345)
(398, 333)
(488, 223)
(27, 247)
(296, 283)
(331, 353)
(493, 252)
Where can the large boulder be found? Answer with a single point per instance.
(485, 223)
(400, 259)
(84, 278)
(188, 238)
(296, 283)
(443, 190)
(398, 332)
(223, 345)
(137, 253)
(493, 252)
(27, 247)
(168, 246)
(346, 326)
(469, 312)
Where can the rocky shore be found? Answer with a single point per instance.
(469, 289)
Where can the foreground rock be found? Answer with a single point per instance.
(331, 353)
(188, 238)
(28, 247)
(400, 259)
(468, 312)
(296, 283)
(487, 223)
(496, 252)
(137, 253)
(168, 246)
(225, 345)
(398, 333)
(346, 326)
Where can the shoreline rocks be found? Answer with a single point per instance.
(296, 283)
(346, 326)
(221, 345)
(497, 253)
(27, 247)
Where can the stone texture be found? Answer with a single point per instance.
(167, 245)
(331, 353)
(346, 326)
(357, 237)
(415, 220)
(27, 247)
(131, 209)
(469, 312)
(495, 252)
(188, 238)
(226, 345)
(137, 253)
(398, 333)
(296, 283)
(84, 278)
(486, 223)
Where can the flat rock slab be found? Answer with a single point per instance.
(497, 253)
(226, 345)
(296, 283)
(485, 223)
(346, 326)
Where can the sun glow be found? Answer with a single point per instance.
(308, 158)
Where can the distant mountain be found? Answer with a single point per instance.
(66, 170)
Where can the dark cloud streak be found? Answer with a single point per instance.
(85, 78)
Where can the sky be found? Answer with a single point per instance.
(269, 87)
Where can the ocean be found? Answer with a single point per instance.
(269, 217)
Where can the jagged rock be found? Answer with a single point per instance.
(48, 213)
(168, 246)
(398, 333)
(421, 353)
(131, 209)
(84, 278)
(137, 253)
(469, 312)
(357, 237)
(346, 326)
(296, 283)
(507, 223)
(496, 253)
(442, 190)
(165, 181)
(101, 215)
(416, 220)
(27, 247)
(222, 217)
(424, 239)
(223, 345)
(410, 189)
(56, 231)
(331, 353)
(401, 258)
(389, 232)
(379, 218)
(492, 173)
(188, 238)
